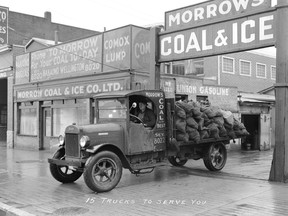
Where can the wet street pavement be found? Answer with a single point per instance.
(241, 188)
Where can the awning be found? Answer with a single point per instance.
(256, 98)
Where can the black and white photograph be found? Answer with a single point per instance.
(143, 108)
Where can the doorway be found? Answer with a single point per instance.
(252, 124)
(47, 128)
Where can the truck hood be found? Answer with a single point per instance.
(99, 133)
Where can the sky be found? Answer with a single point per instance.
(99, 14)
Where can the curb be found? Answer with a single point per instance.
(6, 210)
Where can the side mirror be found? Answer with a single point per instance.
(134, 105)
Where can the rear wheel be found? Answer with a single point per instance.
(215, 157)
(63, 173)
(176, 161)
(103, 172)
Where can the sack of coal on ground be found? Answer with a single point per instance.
(195, 122)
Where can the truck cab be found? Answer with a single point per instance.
(119, 138)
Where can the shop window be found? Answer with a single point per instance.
(187, 67)
(178, 68)
(62, 117)
(72, 111)
(3, 115)
(260, 70)
(194, 67)
(167, 68)
(273, 72)
(245, 68)
(228, 65)
(201, 98)
(28, 120)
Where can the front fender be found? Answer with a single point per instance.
(109, 147)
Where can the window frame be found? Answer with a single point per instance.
(240, 67)
(233, 66)
(261, 77)
(272, 66)
(22, 106)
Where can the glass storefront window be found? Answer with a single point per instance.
(78, 113)
(28, 121)
(62, 117)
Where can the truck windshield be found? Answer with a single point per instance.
(112, 108)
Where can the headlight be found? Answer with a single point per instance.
(61, 140)
(84, 141)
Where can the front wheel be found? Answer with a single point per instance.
(103, 171)
(215, 157)
(63, 173)
(176, 161)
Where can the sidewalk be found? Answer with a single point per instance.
(241, 188)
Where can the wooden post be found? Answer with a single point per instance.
(154, 55)
(279, 167)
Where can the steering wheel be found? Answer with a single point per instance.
(135, 119)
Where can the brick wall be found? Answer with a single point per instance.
(27, 26)
(251, 83)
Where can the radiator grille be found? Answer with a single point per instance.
(72, 147)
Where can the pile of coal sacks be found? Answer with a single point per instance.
(195, 122)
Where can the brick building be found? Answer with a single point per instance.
(250, 73)
(22, 29)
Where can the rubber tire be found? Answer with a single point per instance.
(211, 161)
(174, 160)
(58, 174)
(92, 182)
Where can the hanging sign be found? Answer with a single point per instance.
(3, 25)
(217, 27)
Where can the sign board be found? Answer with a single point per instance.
(116, 49)
(4, 25)
(141, 49)
(66, 91)
(225, 97)
(125, 48)
(252, 32)
(212, 11)
(22, 68)
(67, 60)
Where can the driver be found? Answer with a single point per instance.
(146, 115)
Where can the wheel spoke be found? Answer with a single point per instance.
(107, 176)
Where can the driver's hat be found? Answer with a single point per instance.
(143, 102)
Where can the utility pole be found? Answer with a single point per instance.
(279, 167)
(154, 71)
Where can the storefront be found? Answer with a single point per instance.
(256, 112)
(54, 87)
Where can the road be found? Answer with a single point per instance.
(241, 188)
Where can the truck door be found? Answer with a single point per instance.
(143, 139)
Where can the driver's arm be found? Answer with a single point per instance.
(150, 120)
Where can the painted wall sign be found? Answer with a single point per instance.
(4, 25)
(236, 35)
(141, 49)
(66, 91)
(186, 88)
(116, 49)
(22, 69)
(212, 11)
(120, 49)
(69, 59)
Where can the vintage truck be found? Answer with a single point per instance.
(120, 140)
